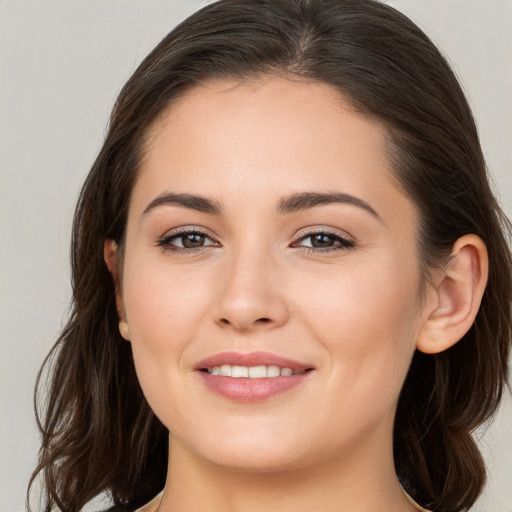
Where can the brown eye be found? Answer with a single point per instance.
(324, 241)
(186, 240)
(192, 240)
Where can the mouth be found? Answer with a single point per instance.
(253, 372)
(252, 377)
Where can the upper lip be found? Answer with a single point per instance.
(251, 359)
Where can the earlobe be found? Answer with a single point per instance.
(456, 295)
(124, 330)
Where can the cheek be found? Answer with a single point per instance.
(367, 319)
(363, 296)
(163, 307)
(162, 304)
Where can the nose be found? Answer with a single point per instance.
(251, 296)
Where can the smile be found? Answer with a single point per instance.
(251, 377)
(252, 372)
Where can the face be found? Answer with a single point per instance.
(266, 231)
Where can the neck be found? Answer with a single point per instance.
(357, 482)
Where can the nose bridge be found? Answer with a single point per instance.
(251, 295)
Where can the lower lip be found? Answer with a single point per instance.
(251, 390)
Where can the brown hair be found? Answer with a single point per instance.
(98, 432)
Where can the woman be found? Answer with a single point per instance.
(291, 280)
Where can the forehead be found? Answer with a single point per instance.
(263, 103)
(260, 139)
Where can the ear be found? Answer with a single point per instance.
(111, 257)
(454, 300)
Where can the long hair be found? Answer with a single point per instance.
(98, 432)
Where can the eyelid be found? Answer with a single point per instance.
(345, 241)
(164, 241)
(192, 228)
(313, 230)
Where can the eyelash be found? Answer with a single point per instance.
(166, 242)
(342, 244)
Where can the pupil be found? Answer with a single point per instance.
(321, 241)
(192, 240)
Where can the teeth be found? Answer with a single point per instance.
(257, 372)
(252, 372)
(225, 370)
(239, 371)
(273, 371)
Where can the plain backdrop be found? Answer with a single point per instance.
(62, 64)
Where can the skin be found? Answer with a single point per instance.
(355, 314)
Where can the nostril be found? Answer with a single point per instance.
(242, 323)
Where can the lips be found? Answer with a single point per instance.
(250, 360)
(251, 377)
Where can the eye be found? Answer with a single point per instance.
(323, 241)
(186, 240)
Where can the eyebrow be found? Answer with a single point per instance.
(293, 203)
(199, 203)
(305, 200)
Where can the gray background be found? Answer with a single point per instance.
(61, 65)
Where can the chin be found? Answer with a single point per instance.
(257, 451)
(252, 461)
